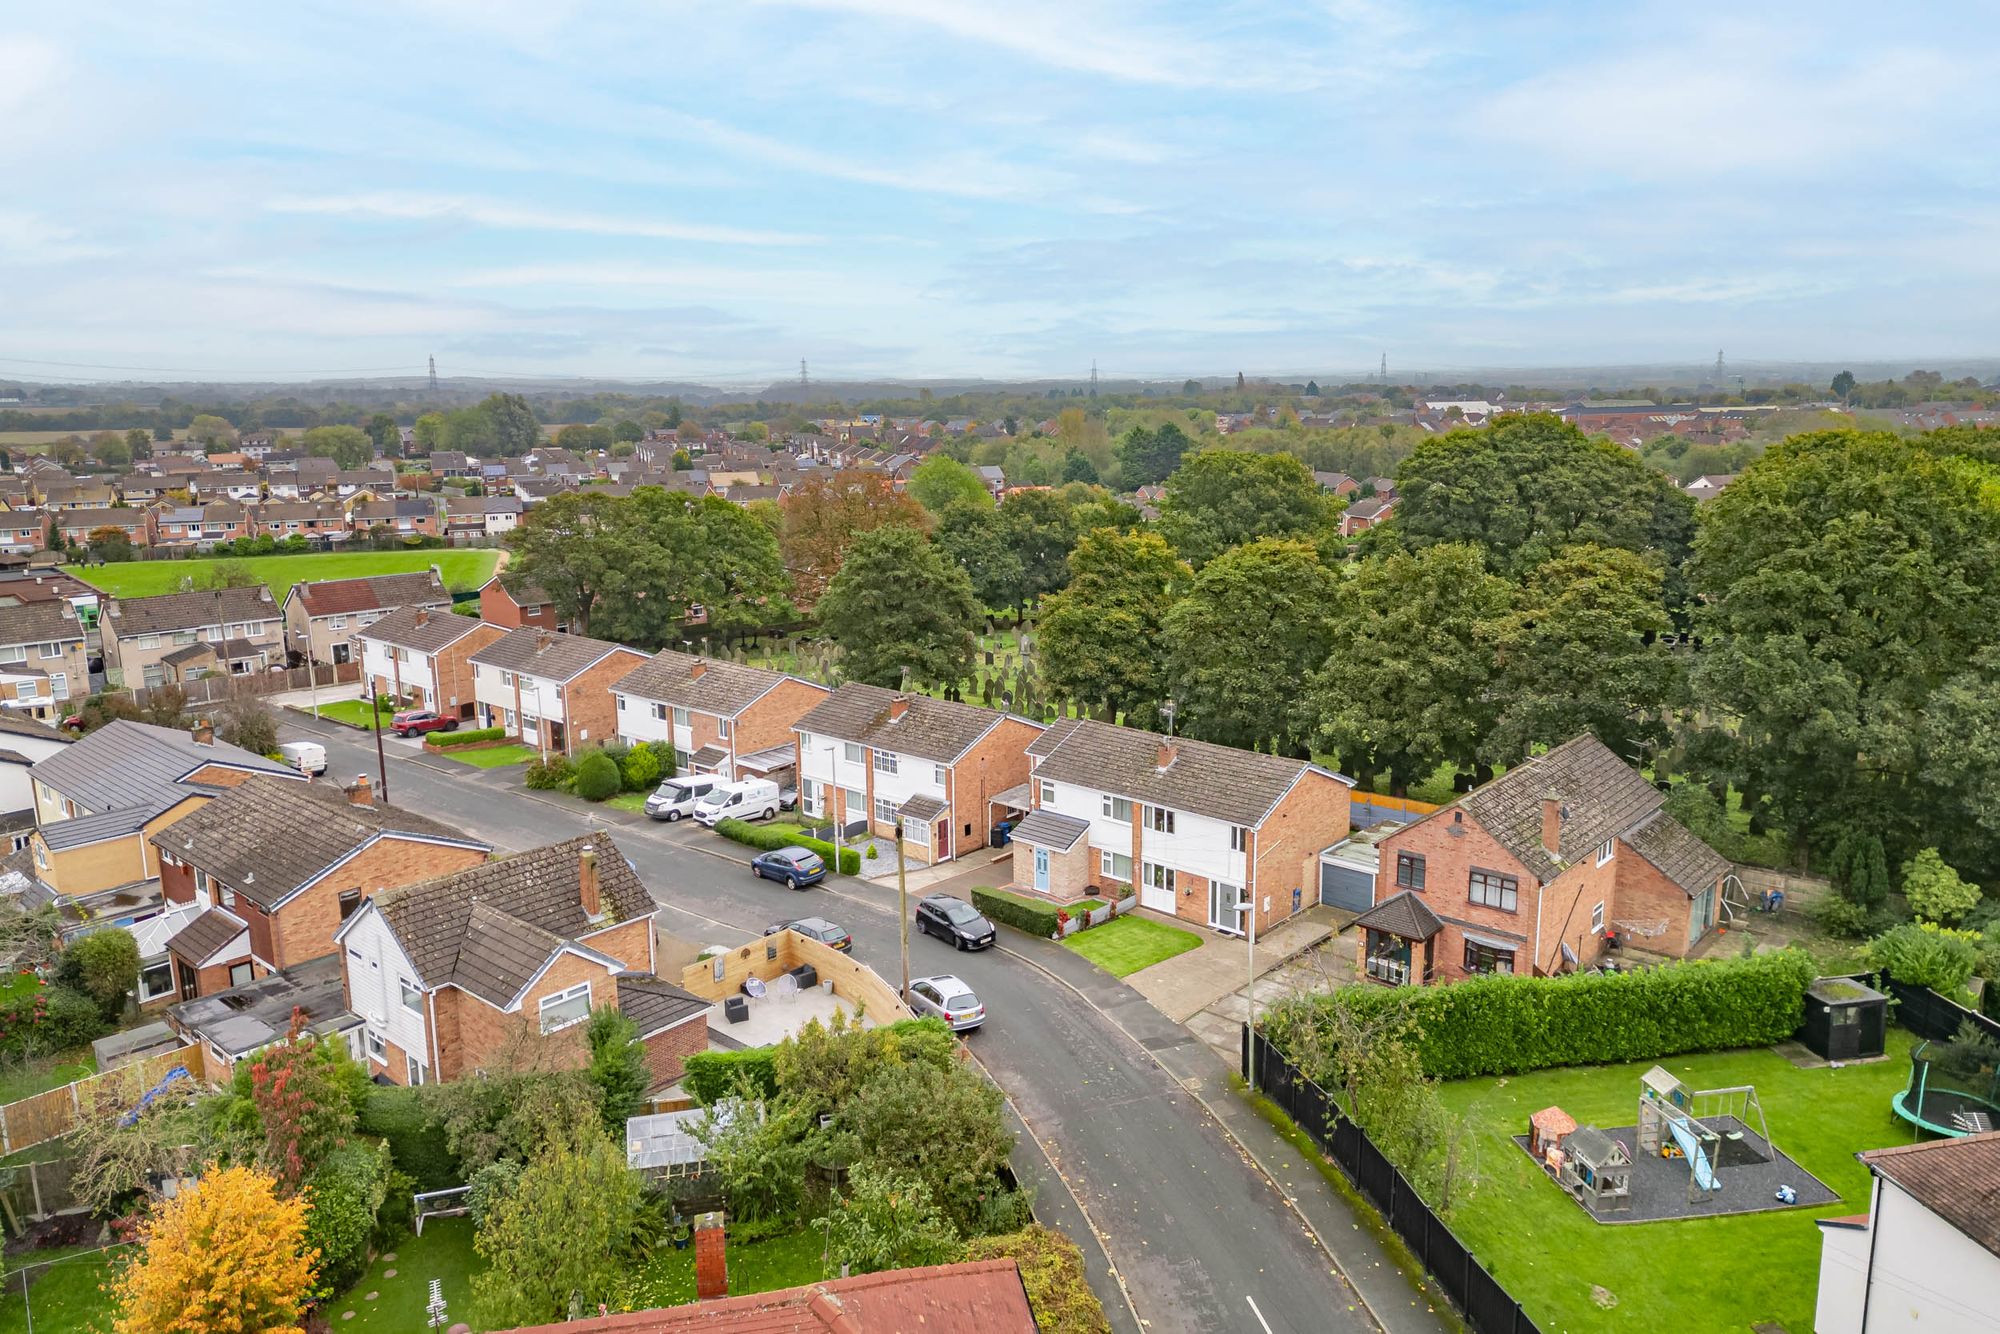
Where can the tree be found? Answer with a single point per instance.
(941, 481)
(106, 968)
(386, 436)
(561, 546)
(109, 545)
(583, 439)
(348, 446)
(214, 434)
(428, 433)
(163, 433)
(1148, 457)
(249, 722)
(226, 1257)
(1040, 530)
(940, 1125)
(306, 1092)
(617, 1067)
(597, 777)
(1312, 389)
(897, 604)
(561, 1235)
(1843, 385)
(343, 1201)
(1934, 890)
(138, 444)
(667, 551)
(887, 1222)
(969, 536)
(627, 429)
(1254, 616)
(1405, 683)
(514, 428)
(824, 515)
(1103, 636)
(228, 574)
(1219, 498)
(1580, 653)
(110, 449)
(1924, 954)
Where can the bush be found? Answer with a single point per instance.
(489, 1185)
(547, 775)
(1032, 918)
(1052, 1271)
(766, 839)
(1507, 1025)
(888, 1221)
(468, 737)
(104, 965)
(596, 777)
(1838, 915)
(713, 1075)
(1921, 954)
(53, 1019)
(642, 769)
(343, 1200)
(1935, 892)
(416, 1143)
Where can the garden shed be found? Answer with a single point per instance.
(1845, 1020)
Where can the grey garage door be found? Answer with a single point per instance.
(1346, 887)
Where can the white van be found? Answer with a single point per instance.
(676, 797)
(752, 799)
(308, 757)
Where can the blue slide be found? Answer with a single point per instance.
(1704, 1176)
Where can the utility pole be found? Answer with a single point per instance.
(1385, 368)
(1250, 902)
(381, 756)
(903, 907)
(803, 380)
(1093, 377)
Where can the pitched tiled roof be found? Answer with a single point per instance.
(922, 808)
(266, 838)
(188, 653)
(337, 597)
(1042, 828)
(126, 765)
(190, 611)
(1239, 786)
(1601, 796)
(424, 629)
(547, 654)
(654, 1004)
(706, 685)
(12, 724)
(1402, 914)
(1956, 1179)
(198, 941)
(521, 903)
(932, 729)
(1677, 853)
(39, 623)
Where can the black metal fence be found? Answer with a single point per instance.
(1930, 1015)
(1488, 1307)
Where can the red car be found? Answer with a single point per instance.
(411, 722)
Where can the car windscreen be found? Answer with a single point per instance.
(809, 860)
(715, 797)
(676, 791)
(962, 914)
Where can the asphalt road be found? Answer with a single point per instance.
(1196, 1238)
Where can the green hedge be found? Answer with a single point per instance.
(1033, 918)
(1510, 1025)
(710, 1075)
(446, 740)
(767, 839)
(416, 1143)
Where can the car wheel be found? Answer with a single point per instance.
(673, 816)
(770, 812)
(791, 882)
(959, 942)
(451, 726)
(756, 870)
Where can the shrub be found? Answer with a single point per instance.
(713, 1075)
(767, 839)
(489, 1185)
(1838, 915)
(596, 777)
(1032, 918)
(104, 965)
(1935, 892)
(1922, 954)
(466, 737)
(1506, 1025)
(343, 1199)
(547, 775)
(50, 1020)
(1052, 1271)
(642, 768)
(888, 1221)
(416, 1142)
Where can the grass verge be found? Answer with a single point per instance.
(1124, 945)
(354, 713)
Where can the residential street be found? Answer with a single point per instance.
(1201, 1239)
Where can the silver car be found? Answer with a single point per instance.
(949, 998)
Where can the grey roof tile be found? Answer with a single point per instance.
(198, 941)
(126, 765)
(49, 622)
(1600, 794)
(190, 611)
(706, 685)
(421, 628)
(1677, 853)
(654, 1004)
(548, 654)
(1402, 914)
(1041, 828)
(931, 729)
(1239, 786)
(1956, 1179)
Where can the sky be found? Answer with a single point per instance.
(919, 188)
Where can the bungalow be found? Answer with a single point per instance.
(879, 760)
(1543, 870)
(552, 690)
(424, 655)
(1201, 830)
(322, 616)
(42, 659)
(721, 717)
(243, 625)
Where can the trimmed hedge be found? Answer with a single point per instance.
(446, 740)
(1509, 1025)
(766, 839)
(709, 1075)
(1033, 918)
(1052, 1271)
(416, 1143)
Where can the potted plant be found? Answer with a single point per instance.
(680, 1232)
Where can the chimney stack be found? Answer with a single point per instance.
(1552, 823)
(697, 669)
(898, 707)
(711, 1258)
(423, 616)
(543, 639)
(586, 883)
(1168, 753)
(360, 792)
(204, 733)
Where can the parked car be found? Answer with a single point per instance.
(676, 797)
(788, 796)
(308, 757)
(954, 920)
(752, 799)
(949, 999)
(797, 867)
(415, 722)
(817, 928)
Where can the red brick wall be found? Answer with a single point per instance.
(628, 942)
(307, 923)
(1566, 909)
(999, 761)
(667, 1053)
(1645, 895)
(454, 667)
(497, 607)
(483, 1030)
(1450, 850)
(768, 722)
(1284, 850)
(262, 942)
(588, 705)
(177, 882)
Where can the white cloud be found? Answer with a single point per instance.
(485, 213)
(29, 69)
(27, 238)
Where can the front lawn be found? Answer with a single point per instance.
(354, 713)
(403, 1285)
(1124, 945)
(1695, 1274)
(461, 568)
(1043, 905)
(787, 1261)
(492, 757)
(629, 801)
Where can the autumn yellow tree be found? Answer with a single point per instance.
(228, 1257)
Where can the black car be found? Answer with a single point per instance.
(954, 920)
(797, 867)
(816, 928)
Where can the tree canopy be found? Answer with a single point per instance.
(1220, 498)
(347, 446)
(970, 536)
(824, 515)
(941, 481)
(1039, 529)
(1102, 640)
(1147, 456)
(898, 604)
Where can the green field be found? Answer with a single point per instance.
(462, 569)
(1124, 945)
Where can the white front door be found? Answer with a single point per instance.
(1042, 870)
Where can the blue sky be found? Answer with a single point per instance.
(924, 187)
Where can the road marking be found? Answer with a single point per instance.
(1259, 1314)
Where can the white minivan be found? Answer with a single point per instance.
(676, 797)
(751, 799)
(308, 757)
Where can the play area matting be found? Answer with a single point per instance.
(1747, 1176)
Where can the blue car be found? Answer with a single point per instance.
(797, 867)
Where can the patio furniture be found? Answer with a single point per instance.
(753, 987)
(786, 987)
(806, 975)
(736, 1009)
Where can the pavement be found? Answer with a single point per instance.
(1193, 1213)
(1327, 964)
(1189, 983)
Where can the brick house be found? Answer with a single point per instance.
(23, 532)
(424, 656)
(874, 758)
(551, 690)
(722, 717)
(1533, 872)
(76, 525)
(43, 661)
(318, 521)
(403, 515)
(1362, 515)
(322, 617)
(1195, 827)
(448, 973)
(276, 867)
(200, 527)
(512, 608)
(244, 625)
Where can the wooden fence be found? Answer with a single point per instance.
(51, 1115)
(853, 981)
(206, 690)
(1372, 808)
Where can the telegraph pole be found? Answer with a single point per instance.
(903, 906)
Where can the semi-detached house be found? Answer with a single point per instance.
(322, 616)
(243, 627)
(423, 657)
(42, 659)
(723, 718)
(876, 759)
(1198, 829)
(551, 690)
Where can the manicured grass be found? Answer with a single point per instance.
(354, 713)
(444, 1252)
(629, 801)
(492, 757)
(1698, 1274)
(761, 1266)
(44, 1073)
(18, 986)
(142, 578)
(1124, 945)
(65, 1297)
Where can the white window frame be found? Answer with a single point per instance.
(412, 998)
(378, 1046)
(145, 993)
(1159, 819)
(722, 729)
(1117, 808)
(1239, 838)
(1160, 877)
(659, 713)
(1607, 850)
(917, 832)
(886, 809)
(887, 762)
(1108, 866)
(1048, 793)
(47, 651)
(681, 718)
(563, 997)
(1597, 920)
(414, 1068)
(851, 751)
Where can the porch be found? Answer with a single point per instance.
(1398, 940)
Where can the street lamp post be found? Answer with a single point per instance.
(902, 907)
(1249, 904)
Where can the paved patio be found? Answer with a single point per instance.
(1187, 984)
(773, 1017)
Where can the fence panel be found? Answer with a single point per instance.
(45, 1116)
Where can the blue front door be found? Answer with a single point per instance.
(1042, 870)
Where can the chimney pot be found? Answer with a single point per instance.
(543, 639)
(697, 669)
(360, 792)
(898, 706)
(1553, 816)
(204, 733)
(711, 1258)
(586, 883)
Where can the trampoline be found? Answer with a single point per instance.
(1954, 1087)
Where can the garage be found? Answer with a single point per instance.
(1347, 872)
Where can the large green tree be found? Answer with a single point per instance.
(898, 604)
(1102, 636)
(1406, 682)
(562, 1232)
(941, 481)
(1222, 498)
(1256, 619)
(1040, 530)
(561, 547)
(969, 535)
(347, 446)
(1147, 457)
